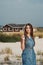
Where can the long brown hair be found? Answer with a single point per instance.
(31, 33)
(31, 29)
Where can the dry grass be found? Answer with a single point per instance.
(12, 33)
(40, 34)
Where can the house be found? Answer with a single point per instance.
(13, 27)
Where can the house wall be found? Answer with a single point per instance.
(10, 29)
(7, 28)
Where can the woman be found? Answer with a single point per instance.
(27, 44)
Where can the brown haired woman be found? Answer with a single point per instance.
(27, 44)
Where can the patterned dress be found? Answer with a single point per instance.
(28, 54)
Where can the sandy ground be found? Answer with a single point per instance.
(16, 47)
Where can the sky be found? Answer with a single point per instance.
(21, 12)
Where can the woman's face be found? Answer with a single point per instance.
(28, 30)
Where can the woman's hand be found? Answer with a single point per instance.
(22, 42)
(23, 37)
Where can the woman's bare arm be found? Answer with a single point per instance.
(22, 42)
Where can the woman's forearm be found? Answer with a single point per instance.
(22, 43)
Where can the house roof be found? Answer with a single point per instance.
(15, 25)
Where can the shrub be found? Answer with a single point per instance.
(6, 38)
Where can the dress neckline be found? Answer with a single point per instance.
(29, 37)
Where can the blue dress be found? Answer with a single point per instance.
(28, 54)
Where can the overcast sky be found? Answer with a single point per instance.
(21, 11)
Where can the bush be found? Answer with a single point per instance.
(6, 38)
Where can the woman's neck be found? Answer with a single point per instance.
(28, 35)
